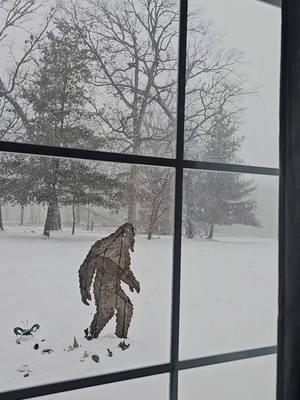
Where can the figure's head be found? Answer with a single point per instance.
(128, 231)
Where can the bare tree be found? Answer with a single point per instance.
(129, 43)
(10, 124)
(17, 15)
(132, 46)
(155, 198)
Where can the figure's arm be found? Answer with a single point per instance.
(128, 277)
(86, 273)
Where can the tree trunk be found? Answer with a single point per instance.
(189, 229)
(53, 221)
(88, 219)
(150, 231)
(211, 231)
(188, 193)
(22, 215)
(206, 229)
(78, 214)
(92, 225)
(31, 215)
(132, 195)
(74, 218)
(1, 221)
(57, 220)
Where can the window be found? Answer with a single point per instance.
(106, 120)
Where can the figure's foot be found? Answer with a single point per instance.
(87, 334)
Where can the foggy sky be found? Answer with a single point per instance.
(254, 28)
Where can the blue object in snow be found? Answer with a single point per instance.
(26, 332)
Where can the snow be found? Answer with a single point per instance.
(229, 295)
(229, 303)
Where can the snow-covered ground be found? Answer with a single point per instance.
(229, 302)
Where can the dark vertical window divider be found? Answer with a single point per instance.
(288, 383)
(178, 201)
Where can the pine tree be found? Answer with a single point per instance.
(17, 186)
(58, 99)
(87, 184)
(216, 198)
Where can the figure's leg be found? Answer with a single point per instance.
(104, 308)
(101, 318)
(124, 314)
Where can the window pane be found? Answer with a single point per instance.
(252, 379)
(102, 76)
(232, 102)
(76, 203)
(229, 263)
(147, 388)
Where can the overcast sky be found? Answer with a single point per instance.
(254, 28)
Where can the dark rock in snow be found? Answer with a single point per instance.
(36, 346)
(75, 343)
(47, 351)
(85, 354)
(95, 358)
(110, 353)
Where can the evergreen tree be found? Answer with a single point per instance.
(16, 188)
(86, 184)
(58, 99)
(216, 198)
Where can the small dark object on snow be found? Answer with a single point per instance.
(36, 346)
(95, 358)
(110, 353)
(75, 343)
(85, 354)
(123, 345)
(47, 351)
(26, 375)
(43, 340)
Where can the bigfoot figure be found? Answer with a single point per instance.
(109, 261)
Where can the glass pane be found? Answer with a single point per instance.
(147, 388)
(229, 263)
(232, 102)
(251, 379)
(96, 75)
(53, 210)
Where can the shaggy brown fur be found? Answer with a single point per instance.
(108, 262)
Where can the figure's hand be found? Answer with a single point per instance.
(85, 297)
(135, 287)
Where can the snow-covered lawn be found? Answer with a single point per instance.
(229, 295)
(229, 302)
